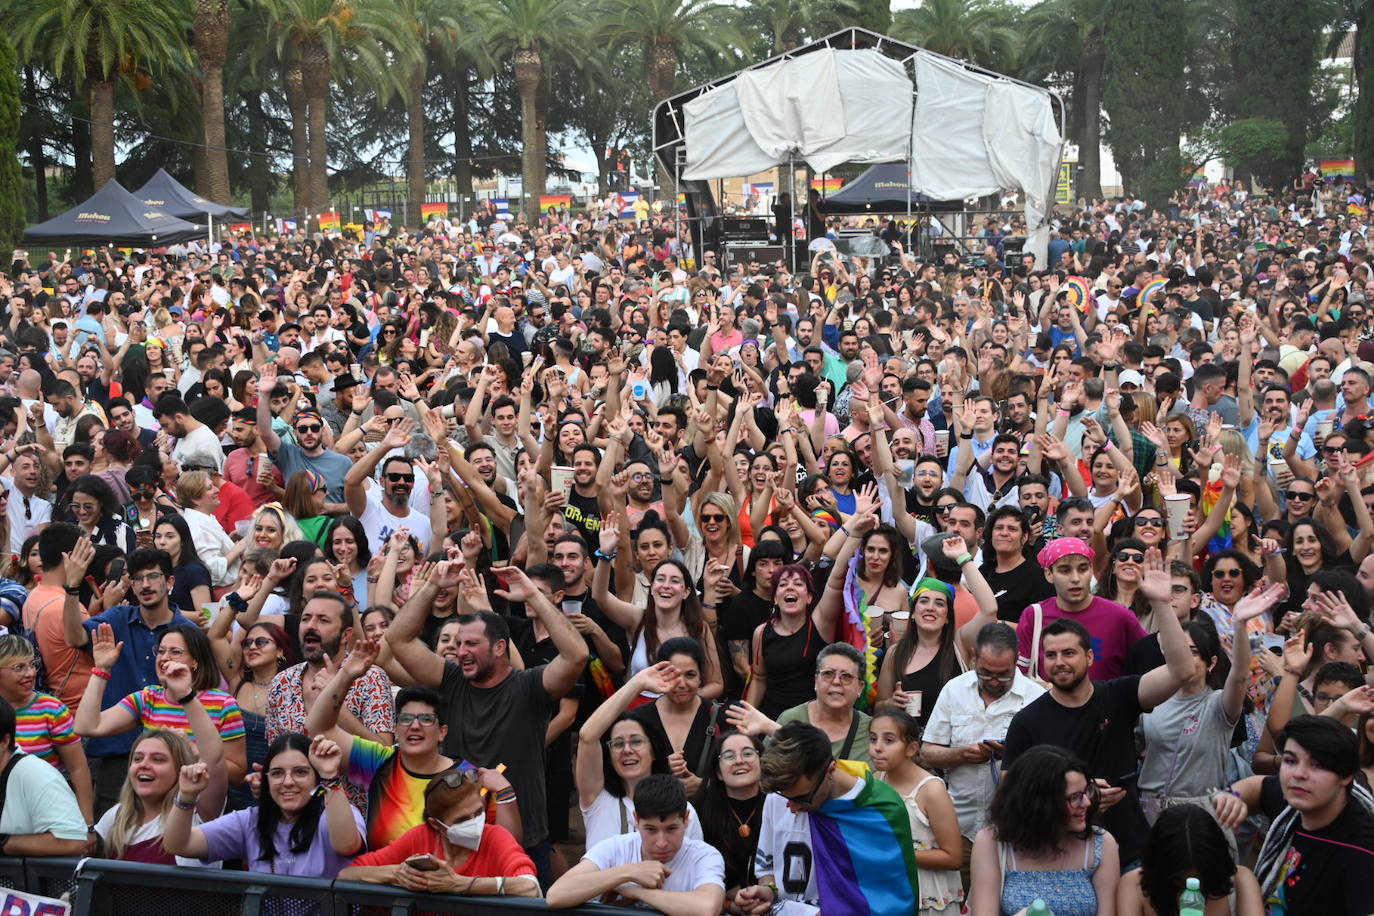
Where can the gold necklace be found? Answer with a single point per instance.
(744, 830)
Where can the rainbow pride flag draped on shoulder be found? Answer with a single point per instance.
(865, 860)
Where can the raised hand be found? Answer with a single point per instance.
(747, 719)
(359, 661)
(953, 548)
(280, 570)
(609, 535)
(104, 650)
(1155, 584)
(193, 780)
(1297, 654)
(518, 585)
(78, 561)
(1053, 448)
(1259, 600)
(659, 678)
(178, 679)
(399, 433)
(326, 757)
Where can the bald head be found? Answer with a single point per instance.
(289, 357)
(30, 384)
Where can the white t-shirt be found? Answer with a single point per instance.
(148, 831)
(784, 851)
(603, 819)
(199, 446)
(380, 524)
(694, 865)
(38, 800)
(24, 520)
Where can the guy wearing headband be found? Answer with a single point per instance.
(308, 452)
(1068, 565)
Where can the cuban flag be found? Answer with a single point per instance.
(286, 226)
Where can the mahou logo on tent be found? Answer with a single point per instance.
(92, 217)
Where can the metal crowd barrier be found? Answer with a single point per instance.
(106, 887)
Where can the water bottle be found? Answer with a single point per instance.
(1039, 907)
(1191, 902)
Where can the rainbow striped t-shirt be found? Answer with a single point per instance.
(42, 725)
(152, 708)
(395, 796)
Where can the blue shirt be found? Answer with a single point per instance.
(136, 668)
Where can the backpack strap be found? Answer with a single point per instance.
(711, 722)
(5, 776)
(849, 739)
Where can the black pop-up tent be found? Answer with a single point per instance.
(884, 188)
(113, 216)
(171, 196)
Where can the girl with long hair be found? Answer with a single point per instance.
(294, 830)
(616, 751)
(1187, 842)
(305, 497)
(1041, 841)
(731, 802)
(346, 546)
(894, 743)
(672, 610)
(785, 648)
(191, 579)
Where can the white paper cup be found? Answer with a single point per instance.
(1176, 510)
(899, 621)
(941, 442)
(1324, 427)
(914, 700)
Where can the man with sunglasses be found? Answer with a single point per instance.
(383, 514)
(308, 452)
(804, 781)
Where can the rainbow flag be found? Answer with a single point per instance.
(430, 211)
(240, 227)
(826, 185)
(330, 220)
(854, 629)
(548, 201)
(1356, 210)
(1338, 168)
(865, 860)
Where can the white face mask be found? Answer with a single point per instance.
(468, 833)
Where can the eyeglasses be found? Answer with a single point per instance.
(145, 577)
(994, 678)
(170, 652)
(1298, 495)
(22, 668)
(1130, 556)
(309, 428)
(830, 675)
(1229, 573)
(642, 477)
(277, 774)
(1085, 796)
(426, 719)
(258, 642)
(731, 756)
(400, 478)
(1151, 522)
(809, 797)
(634, 742)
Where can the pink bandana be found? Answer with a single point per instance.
(1059, 548)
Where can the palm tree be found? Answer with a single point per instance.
(99, 41)
(210, 37)
(529, 31)
(316, 37)
(977, 31)
(791, 23)
(667, 30)
(435, 30)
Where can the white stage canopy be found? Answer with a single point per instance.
(965, 132)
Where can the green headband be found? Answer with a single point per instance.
(929, 584)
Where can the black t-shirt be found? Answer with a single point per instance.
(739, 618)
(1203, 308)
(1102, 733)
(583, 514)
(480, 731)
(1326, 870)
(1016, 589)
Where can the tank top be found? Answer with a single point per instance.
(1068, 891)
(790, 662)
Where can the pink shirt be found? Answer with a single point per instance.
(1113, 627)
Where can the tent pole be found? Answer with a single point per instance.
(789, 239)
(210, 234)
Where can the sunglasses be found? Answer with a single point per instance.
(713, 518)
(1226, 574)
(258, 642)
(1130, 556)
(945, 508)
(309, 428)
(1152, 522)
(1298, 495)
(400, 478)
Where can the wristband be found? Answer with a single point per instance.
(598, 555)
(1106, 446)
(184, 804)
(1362, 634)
(966, 558)
(1062, 412)
(182, 701)
(72, 589)
(505, 796)
(100, 673)
(846, 531)
(500, 882)
(710, 606)
(237, 602)
(969, 436)
(1292, 671)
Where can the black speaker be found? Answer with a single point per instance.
(745, 228)
(739, 253)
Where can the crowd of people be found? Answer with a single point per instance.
(535, 558)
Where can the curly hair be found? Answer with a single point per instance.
(1028, 809)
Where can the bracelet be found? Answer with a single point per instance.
(1362, 634)
(598, 555)
(100, 673)
(966, 558)
(184, 804)
(182, 701)
(969, 436)
(711, 607)
(1106, 446)
(846, 531)
(1062, 412)
(72, 589)
(505, 796)
(1292, 671)
(1230, 791)
(500, 882)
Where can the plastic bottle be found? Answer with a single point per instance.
(1039, 907)
(1191, 902)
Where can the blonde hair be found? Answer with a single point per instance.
(130, 807)
(290, 531)
(13, 648)
(725, 503)
(191, 486)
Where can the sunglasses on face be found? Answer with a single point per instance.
(713, 518)
(1130, 556)
(309, 428)
(1298, 495)
(1152, 522)
(258, 642)
(1230, 573)
(400, 478)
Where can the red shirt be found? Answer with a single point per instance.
(241, 470)
(497, 856)
(234, 506)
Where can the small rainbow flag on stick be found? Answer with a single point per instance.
(827, 185)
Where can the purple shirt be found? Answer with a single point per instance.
(235, 836)
(1113, 627)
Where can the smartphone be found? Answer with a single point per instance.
(116, 570)
(423, 863)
